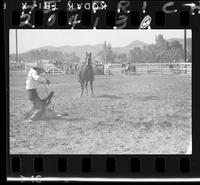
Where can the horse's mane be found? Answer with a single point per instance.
(89, 60)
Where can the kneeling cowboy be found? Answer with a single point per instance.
(34, 79)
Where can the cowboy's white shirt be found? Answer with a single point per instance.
(33, 79)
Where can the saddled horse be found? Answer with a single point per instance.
(86, 74)
(130, 69)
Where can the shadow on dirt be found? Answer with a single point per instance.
(148, 98)
(75, 119)
(58, 118)
(109, 96)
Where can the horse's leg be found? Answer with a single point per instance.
(86, 87)
(91, 86)
(82, 88)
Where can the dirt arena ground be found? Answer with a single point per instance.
(129, 114)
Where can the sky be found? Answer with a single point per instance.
(29, 39)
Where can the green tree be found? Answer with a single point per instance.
(136, 55)
(161, 42)
(121, 58)
(175, 45)
(107, 53)
(110, 54)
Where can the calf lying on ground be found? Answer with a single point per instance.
(48, 113)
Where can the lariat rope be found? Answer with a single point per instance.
(47, 90)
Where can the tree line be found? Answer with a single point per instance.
(162, 51)
(44, 54)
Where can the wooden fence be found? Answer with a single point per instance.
(141, 68)
(156, 68)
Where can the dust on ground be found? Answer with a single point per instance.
(129, 114)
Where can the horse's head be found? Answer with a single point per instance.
(89, 58)
(87, 54)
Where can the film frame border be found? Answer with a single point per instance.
(122, 167)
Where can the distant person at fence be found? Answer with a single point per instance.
(76, 67)
(34, 79)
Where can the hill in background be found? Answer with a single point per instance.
(50, 51)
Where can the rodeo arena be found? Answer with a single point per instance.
(127, 108)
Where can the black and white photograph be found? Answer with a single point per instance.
(100, 91)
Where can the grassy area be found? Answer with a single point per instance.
(142, 114)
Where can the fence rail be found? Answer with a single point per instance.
(156, 68)
(141, 68)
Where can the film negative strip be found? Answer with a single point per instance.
(138, 118)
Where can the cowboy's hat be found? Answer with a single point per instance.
(39, 66)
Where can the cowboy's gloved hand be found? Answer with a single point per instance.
(47, 82)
